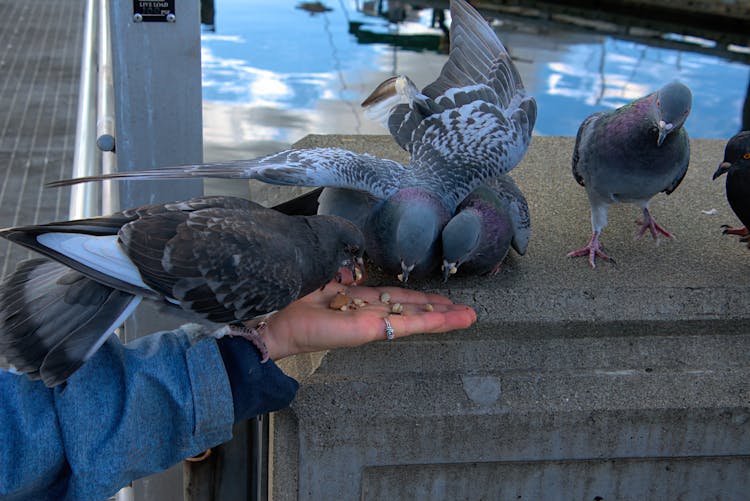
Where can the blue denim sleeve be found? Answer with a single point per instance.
(130, 411)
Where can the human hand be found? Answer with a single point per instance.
(309, 324)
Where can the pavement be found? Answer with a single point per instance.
(40, 53)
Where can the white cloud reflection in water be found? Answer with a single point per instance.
(273, 74)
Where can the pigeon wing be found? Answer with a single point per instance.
(225, 263)
(331, 167)
(52, 318)
(581, 143)
(682, 164)
(512, 198)
(478, 69)
(473, 122)
(460, 148)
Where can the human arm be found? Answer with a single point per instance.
(128, 412)
(134, 410)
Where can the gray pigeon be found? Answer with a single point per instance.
(491, 219)
(629, 155)
(472, 123)
(222, 259)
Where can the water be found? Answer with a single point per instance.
(273, 73)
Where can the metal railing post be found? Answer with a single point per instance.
(84, 198)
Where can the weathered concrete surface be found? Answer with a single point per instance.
(625, 382)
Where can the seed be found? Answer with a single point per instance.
(397, 308)
(344, 308)
(359, 302)
(385, 298)
(428, 307)
(338, 301)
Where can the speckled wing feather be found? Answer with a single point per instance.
(456, 151)
(333, 167)
(473, 122)
(209, 255)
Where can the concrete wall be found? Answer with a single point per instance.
(626, 382)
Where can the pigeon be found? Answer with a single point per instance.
(224, 260)
(629, 155)
(488, 222)
(736, 166)
(472, 123)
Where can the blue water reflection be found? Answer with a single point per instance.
(273, 73)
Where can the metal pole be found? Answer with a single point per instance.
(158, 98)
(84, 197)
(105, 124)
(158, 115)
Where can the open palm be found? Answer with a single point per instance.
(310, 324)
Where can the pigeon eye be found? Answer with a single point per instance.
(746, 156)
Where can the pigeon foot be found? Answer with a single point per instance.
(593, 250)
(252, 335)
(650, 224)
(729, 230)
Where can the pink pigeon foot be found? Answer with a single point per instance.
(728, 230)
(650, 224)
(592, 250)
(252, 335)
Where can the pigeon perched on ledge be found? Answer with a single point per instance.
(736, 166)
(488, 222)
(473, 123)
(630, 154)
(222, 259)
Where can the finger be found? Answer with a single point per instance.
(430, 322)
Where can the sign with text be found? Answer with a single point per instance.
(160, 11)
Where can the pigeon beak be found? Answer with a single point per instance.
(664, 130)
(405, 270)
(356, 267)
(448, 270)
(723, 168)
(358, 270)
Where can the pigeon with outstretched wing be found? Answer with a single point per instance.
(473, 123)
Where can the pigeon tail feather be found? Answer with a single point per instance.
(53, 319)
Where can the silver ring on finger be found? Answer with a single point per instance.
(389, 333)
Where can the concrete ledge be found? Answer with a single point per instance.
(625, 382)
